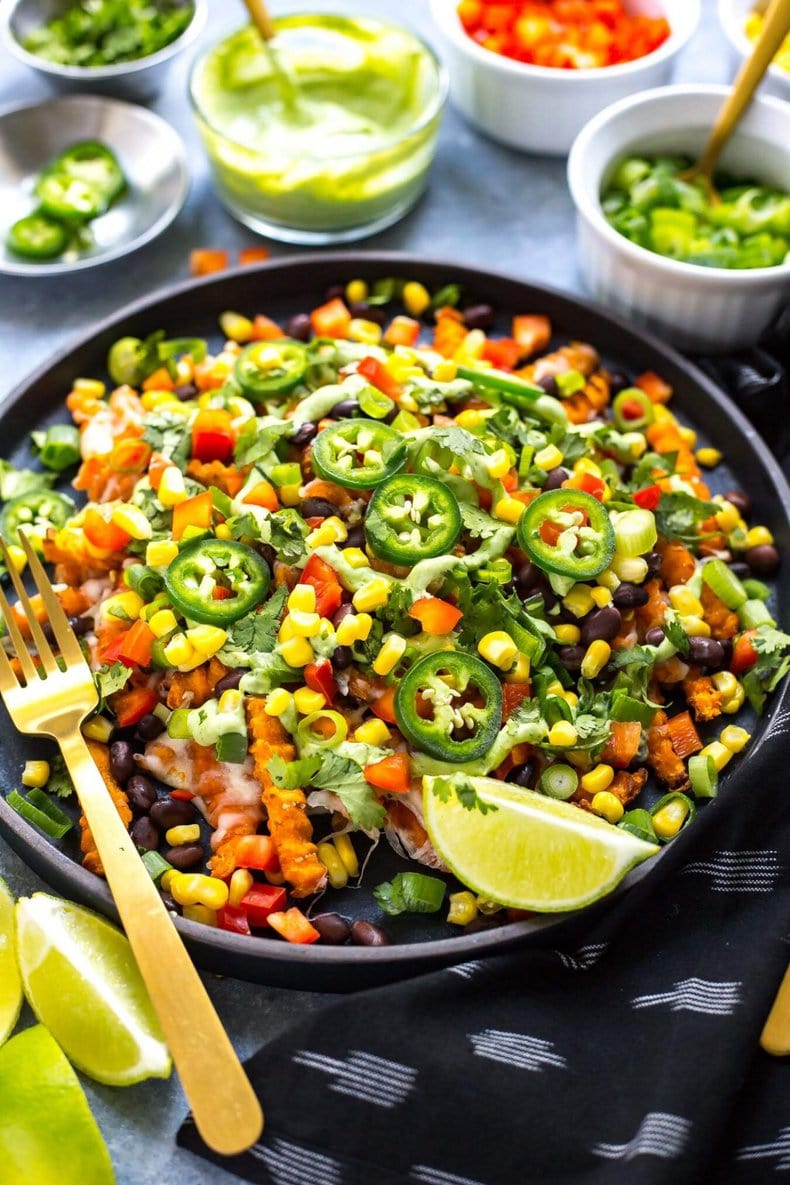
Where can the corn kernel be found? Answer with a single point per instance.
(367, 332)
(563, 733)
(735, 739)
(498, 648)
(683, 599)
(335, 868)
(587, 465)
(595, 658)
(568, 635)
(416, 298)
(632, 569)
(277, 702)
(472, 346)
(17, 557)
(345, 850)
(172, 489)
(725, 683)
(509, 510)
(200, 914)
(520, 670)
(35, 773)
(332, 530)
(598, 779)
(297, 652)
(161, 553)
(688, 436)
(185, 833)
(167, 878)
(463, 908)
(720, 753)
(89, 387)
(356, 292)
(734, 702)
(390, 654)
(499, 463)
(163, 622)
(302, 597)
(194, 888)
(608, 579)
(230, 700)
(207, 639)
(151, 400)
(606, 804)
(472, 417)
(373, 732)
(306, 700)
(694, 626)
(355, 557)
(290, 495)
(728, 517)
(241, 882)
(668, 821)
(301, 625)
(97, 729)
(353, 628)
(709, 458)
(132, 520)
(548, 458)
(579, 600)
(445, 371)
(178, 651)
(373, 595)
(236, 327)
(125, 606)
(601, 596)
(758, 537)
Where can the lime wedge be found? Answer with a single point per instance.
(82, 982)
(10, 983)
(47, 1132)
(531, 852)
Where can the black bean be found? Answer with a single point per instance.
(356, 537)
(522, 775)
(601, 625)
(763, 560)
(317, 508)
(81, 625)
(145, 835)
(186, 855)
(630, 596)
(655, 636)
(547, 383)
(169, 901)
(706, 652)
(172, 812)
(299, 328)
(342, 658)
(186, 391)
(345, 408)
(340, 613)
(740, 501)
(268, 553)
(336, 292)
(142, 795)
(741, 570)
(305, 433)
(121, 761)
(555, 478)
(527, 579)
(230, 682)
(479, 316)
(368, 312)
(149, 727)
(726, 647)
(571, 657)
(332, 928)
(653, 561)
(366, 934)
(618, 381)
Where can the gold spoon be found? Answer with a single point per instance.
(262, 19)
(775, 28)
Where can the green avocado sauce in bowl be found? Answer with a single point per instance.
(343, 152)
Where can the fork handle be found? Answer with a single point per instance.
(225, 1108)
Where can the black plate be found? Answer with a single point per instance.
(280, 289)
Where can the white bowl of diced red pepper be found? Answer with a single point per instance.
(541, 108)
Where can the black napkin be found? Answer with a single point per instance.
(628, 1054)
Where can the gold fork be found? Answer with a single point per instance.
(54, 703)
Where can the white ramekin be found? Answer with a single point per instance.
(697, 308)
(539, 109)
(732, 17)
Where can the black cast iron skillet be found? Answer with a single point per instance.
(419, 943)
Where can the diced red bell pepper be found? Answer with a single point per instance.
(402, 331)
(503, 353)
(318, 677)
(130, 706)
(331, 319)
(392, 773)
(328, 589)
(102, 532)
(195, 512)
(256, 851)
(744, 655)
(590, 483)
(550, 532)
(160, 380)
(136, 643)
(648, 498)
(376, 373)
(263, 494)
(623, 743)
(265, 330)
(654, 387)
(130, 455)
(262, 900)
(435, 615)
(513, 695)
(109, 651)
(234, 919)
(212, 435)
(293, 926)
(384, 706)
(205, 260)
(532, 332)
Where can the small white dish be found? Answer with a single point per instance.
(541, 109)
(732, 17)
(696, 308)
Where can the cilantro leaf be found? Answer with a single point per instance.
(259, 438)
(679, 514)
(477, 523)
(675, 632)
(464, 790)
(293, 775)
(410, 892)
(637, 656)
(15, 482)
(256, 632)
(288, 531)
(345, 778)
(59, 782)
(109, 679)
(169, 433)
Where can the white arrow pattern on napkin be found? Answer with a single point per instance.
(659, 1134)
(364, 1076)
(739, 872)
(516, 1049)
(290, 1164)
(696, 995)
(779, 1148)
(428, 1176)
(584, 958)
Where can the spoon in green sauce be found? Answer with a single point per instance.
(289, 91)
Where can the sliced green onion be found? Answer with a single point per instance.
(756, 590)
(556, 708)
(287, 474)
(722, 581)
(497, 572)
(405, 421)
(231, 747)
(143, 580)
(570, 382)
(703, 775)
(517, 392)
(41, 812)
(526, 459)
(559, 781)
(671, 814)
(306, 734)
(221, 502)
(635, 532)
(60, 447)
(626, 707)
(374, 403)
(639, 823)
(625, 402)
(410, 892)
(177, 727)
(753, 614)
(156, 865)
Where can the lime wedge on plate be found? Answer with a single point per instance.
(82, 982)
(10, 983)
(47, 1132)
(531, 852)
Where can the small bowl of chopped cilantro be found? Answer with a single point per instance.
(120, 48)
